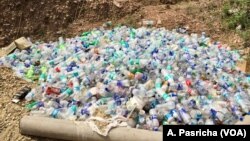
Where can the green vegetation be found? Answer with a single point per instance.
(236, 14)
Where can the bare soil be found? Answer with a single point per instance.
(49, 19)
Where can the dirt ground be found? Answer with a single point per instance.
(10, 113)
(49, 19)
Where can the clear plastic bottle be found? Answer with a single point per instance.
(183, 113)
(241, 102)
(155, 123)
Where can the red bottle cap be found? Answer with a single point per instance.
(70, 84)
(188, 83)
(57, 69)
(52, 90)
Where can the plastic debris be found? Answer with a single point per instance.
(148, 23)
(147, 76)
(20, 95)
(243, 65)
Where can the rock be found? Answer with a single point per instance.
(1, 41)
(59, 32)
(239, 27)
(7, 50)
(148, 22)
(119, 3)
(169, 1)
(22, 43)
(159, 22)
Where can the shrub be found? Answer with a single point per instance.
(237, 13)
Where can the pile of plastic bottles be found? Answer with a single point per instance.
(162, 77)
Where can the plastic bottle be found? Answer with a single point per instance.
(240, 101)
(183, 113)
(155, 122)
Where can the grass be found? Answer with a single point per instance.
(131, 20)
(236, 13)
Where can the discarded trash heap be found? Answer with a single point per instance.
(150, 75)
